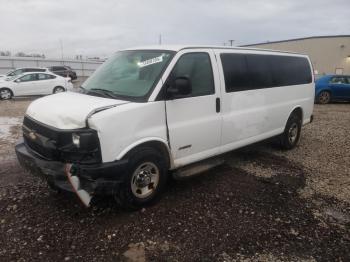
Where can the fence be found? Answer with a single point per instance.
(83, 68)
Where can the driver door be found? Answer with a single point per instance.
(194, 121)
(340, 87)
(25, 85)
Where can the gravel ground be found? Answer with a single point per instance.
(263, 204)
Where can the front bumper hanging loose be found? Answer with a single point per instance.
(84, 196)
(84, 180)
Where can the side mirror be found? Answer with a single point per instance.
(18, 80)
(181, 87)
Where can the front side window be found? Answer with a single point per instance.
(16, 72)
(338, 80)
(26, 78)
(129, 74)
(197, 68)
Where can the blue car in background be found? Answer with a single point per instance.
(332, 88)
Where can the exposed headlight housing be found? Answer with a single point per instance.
(76, 140)
(74, 146)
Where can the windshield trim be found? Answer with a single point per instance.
(144, 98)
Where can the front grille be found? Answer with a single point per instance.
(56, 144)
(40, 128)
(39, 149)
(39, 138)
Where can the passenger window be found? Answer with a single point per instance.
(197, 67)
(27, 78)
(259, 71)
(235, 72)
(43, 77)
(250, 71)
(18, 72)
(338, 80)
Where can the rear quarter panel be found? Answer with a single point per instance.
(253, 115)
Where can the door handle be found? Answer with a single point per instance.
(217, 105)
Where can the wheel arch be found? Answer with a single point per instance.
(153, 142)
(296, 110)
(327, 89)
(53, 90)
(8, 88)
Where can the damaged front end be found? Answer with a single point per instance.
(69, 160)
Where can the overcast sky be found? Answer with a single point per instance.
(101, 27)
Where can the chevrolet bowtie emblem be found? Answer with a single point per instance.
(32, 135)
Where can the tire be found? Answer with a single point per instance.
(58, 89)
(324, 97)
(5, 94)
(291, 135)
(144, 180)
(52, 186)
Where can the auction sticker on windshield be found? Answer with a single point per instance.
(151, 61)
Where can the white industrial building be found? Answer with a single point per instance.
(329, 54)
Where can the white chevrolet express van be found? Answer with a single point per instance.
(147, 111)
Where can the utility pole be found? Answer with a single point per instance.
(160, 39)
(61, 43)
(231, 42)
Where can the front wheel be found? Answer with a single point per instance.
(292, 131)
(5, 94)
(144, 180)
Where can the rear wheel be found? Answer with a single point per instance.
(292, 131)
(58, 89)
(324, 97)
(5, 94)
(144, 180)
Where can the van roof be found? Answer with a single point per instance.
(181, 47)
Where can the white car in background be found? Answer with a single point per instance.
(37, 83)
(19, 71)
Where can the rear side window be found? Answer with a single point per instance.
(58, 68)
(250, 71)
(35, 70)
(289, 70)
(259, 71)
(338, 80)
(197, 67)
(45, 76)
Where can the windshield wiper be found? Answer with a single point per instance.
(104, 92)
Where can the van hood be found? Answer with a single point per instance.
(69, 110)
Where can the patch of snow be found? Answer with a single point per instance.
(5, 126)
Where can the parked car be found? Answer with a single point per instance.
(33, 84)
(146, 112)
(64, 71)
(19, 71)
(332, 88)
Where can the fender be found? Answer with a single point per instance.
(144, 140)
(319, 90)
(9, 88)
(290, 112)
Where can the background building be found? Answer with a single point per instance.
(329, 54)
